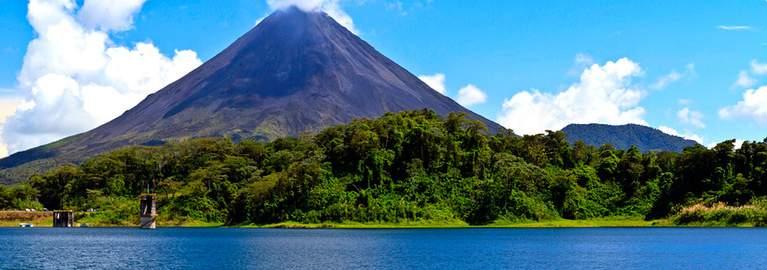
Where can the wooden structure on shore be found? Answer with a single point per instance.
(148, 208)
(63, 219)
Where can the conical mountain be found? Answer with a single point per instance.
(295, 72)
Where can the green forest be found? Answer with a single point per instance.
(407, 167)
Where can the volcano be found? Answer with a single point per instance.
(295, 72)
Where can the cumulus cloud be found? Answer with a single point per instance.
(738, 144)
(109, 15)
(754, 102)
(331, 7)
(737, 28)
(467, 96)
(436, 82)
(74, 76)
(604, 94)
(744, 80)
(471, 95)
(691, 117)
(753, 106)
(674, 76)
(686, 135)
(8, 107)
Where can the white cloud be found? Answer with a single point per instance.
(753, 105)
(665, 80)
(436, 82)
(467, 96)
(738, 144)
(687, 135)
(734, 27)
(581, 62)
(75, 78)
(584, 59)
(471, 95)
(691, 117)
(604, 94)
(746, 77)
(758, 68)
(331, 7)
(8, 107)
(744, 80)
(109, 15)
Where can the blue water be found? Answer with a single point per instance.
(652, 248)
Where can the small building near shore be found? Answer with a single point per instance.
(148, 207)
(63, 219)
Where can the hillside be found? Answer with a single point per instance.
(407, 168)
(625, 136)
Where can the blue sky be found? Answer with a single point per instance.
(681, 59)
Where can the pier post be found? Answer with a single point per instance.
(148, 211)
(63, 219)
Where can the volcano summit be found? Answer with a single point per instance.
(295, 72)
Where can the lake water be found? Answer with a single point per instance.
(652, 248)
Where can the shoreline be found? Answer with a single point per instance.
(548, 224)
(12, 219)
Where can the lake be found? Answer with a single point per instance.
(222, 248)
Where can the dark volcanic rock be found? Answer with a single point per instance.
(623, 137)
(295, 72)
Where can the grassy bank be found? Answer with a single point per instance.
(95, 221)
(45, 219)
(583, 223)
(105, 221)
(14, 218)
(559, 223)
(722, 215)
(358, 225)
(717, 215)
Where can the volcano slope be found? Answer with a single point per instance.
(295, 72)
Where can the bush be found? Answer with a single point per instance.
(112, 211)
(721, 214)
(523, 207)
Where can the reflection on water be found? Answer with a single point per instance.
(383, 249)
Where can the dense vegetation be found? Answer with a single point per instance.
(404, 167)
(626, 136)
